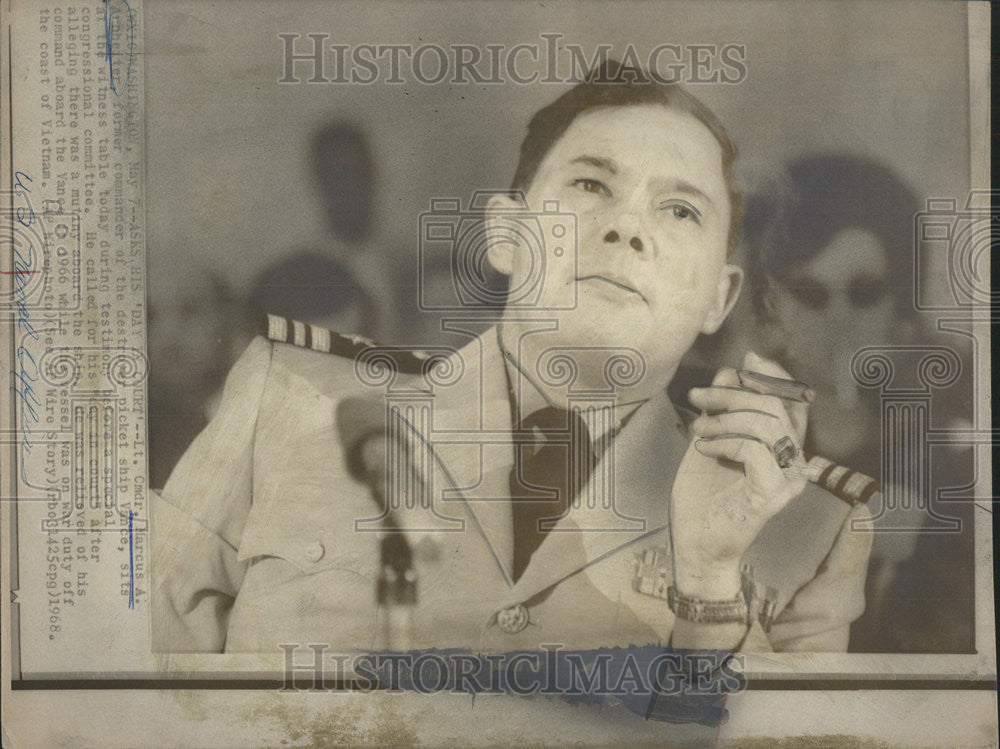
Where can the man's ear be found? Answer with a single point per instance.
(727, 292)
(500, 253)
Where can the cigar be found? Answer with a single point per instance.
(793, 390)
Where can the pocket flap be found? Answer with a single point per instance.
(314, 535)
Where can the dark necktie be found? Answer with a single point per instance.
(552, 460)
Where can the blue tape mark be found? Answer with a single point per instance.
(131, 564)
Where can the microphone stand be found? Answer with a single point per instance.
(396, 587)
(369, 457)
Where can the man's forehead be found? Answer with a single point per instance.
(650, 137)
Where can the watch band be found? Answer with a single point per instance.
(708, 612)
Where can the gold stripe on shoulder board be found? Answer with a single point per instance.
(846, 484)
(297, 333)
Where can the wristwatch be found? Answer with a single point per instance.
(754, 602)
(699, 611)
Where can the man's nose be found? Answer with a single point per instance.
(613, 237)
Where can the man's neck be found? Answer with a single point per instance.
(530, 395)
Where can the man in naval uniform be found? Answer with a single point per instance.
(715, 539)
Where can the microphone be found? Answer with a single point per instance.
(361, 424)
(368, 439)
(362, 429)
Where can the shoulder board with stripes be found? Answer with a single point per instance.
(848, 485)
(285, 330)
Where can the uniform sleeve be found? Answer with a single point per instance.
(819, 616)
(819, 612)
(198, 518)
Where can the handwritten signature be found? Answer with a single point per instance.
(119, 86)
(27, 369)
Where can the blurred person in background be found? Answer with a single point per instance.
(829, 260)
(345, 175)
(192, 345)
(347, 178)
(200, 324)
(312, 288)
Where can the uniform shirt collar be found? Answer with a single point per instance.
(527, 396)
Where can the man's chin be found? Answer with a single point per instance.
(593, 328)
(608, 338)
(611, 354)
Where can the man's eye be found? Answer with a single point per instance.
(682, 210)
(592, 185)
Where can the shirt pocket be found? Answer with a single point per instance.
(304, 545)
(317, 552)
(309, 519)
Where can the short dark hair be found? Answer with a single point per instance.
(613, 85)
(789, 222)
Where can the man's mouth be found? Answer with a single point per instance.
(613, 280)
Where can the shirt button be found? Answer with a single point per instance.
(513, 620)
(314, 552)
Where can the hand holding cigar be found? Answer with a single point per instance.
(849, 485)
(756, 421)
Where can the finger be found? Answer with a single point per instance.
(762, 425)
(770, 378)
(798, 406)
(723, 398)
(759, 465)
